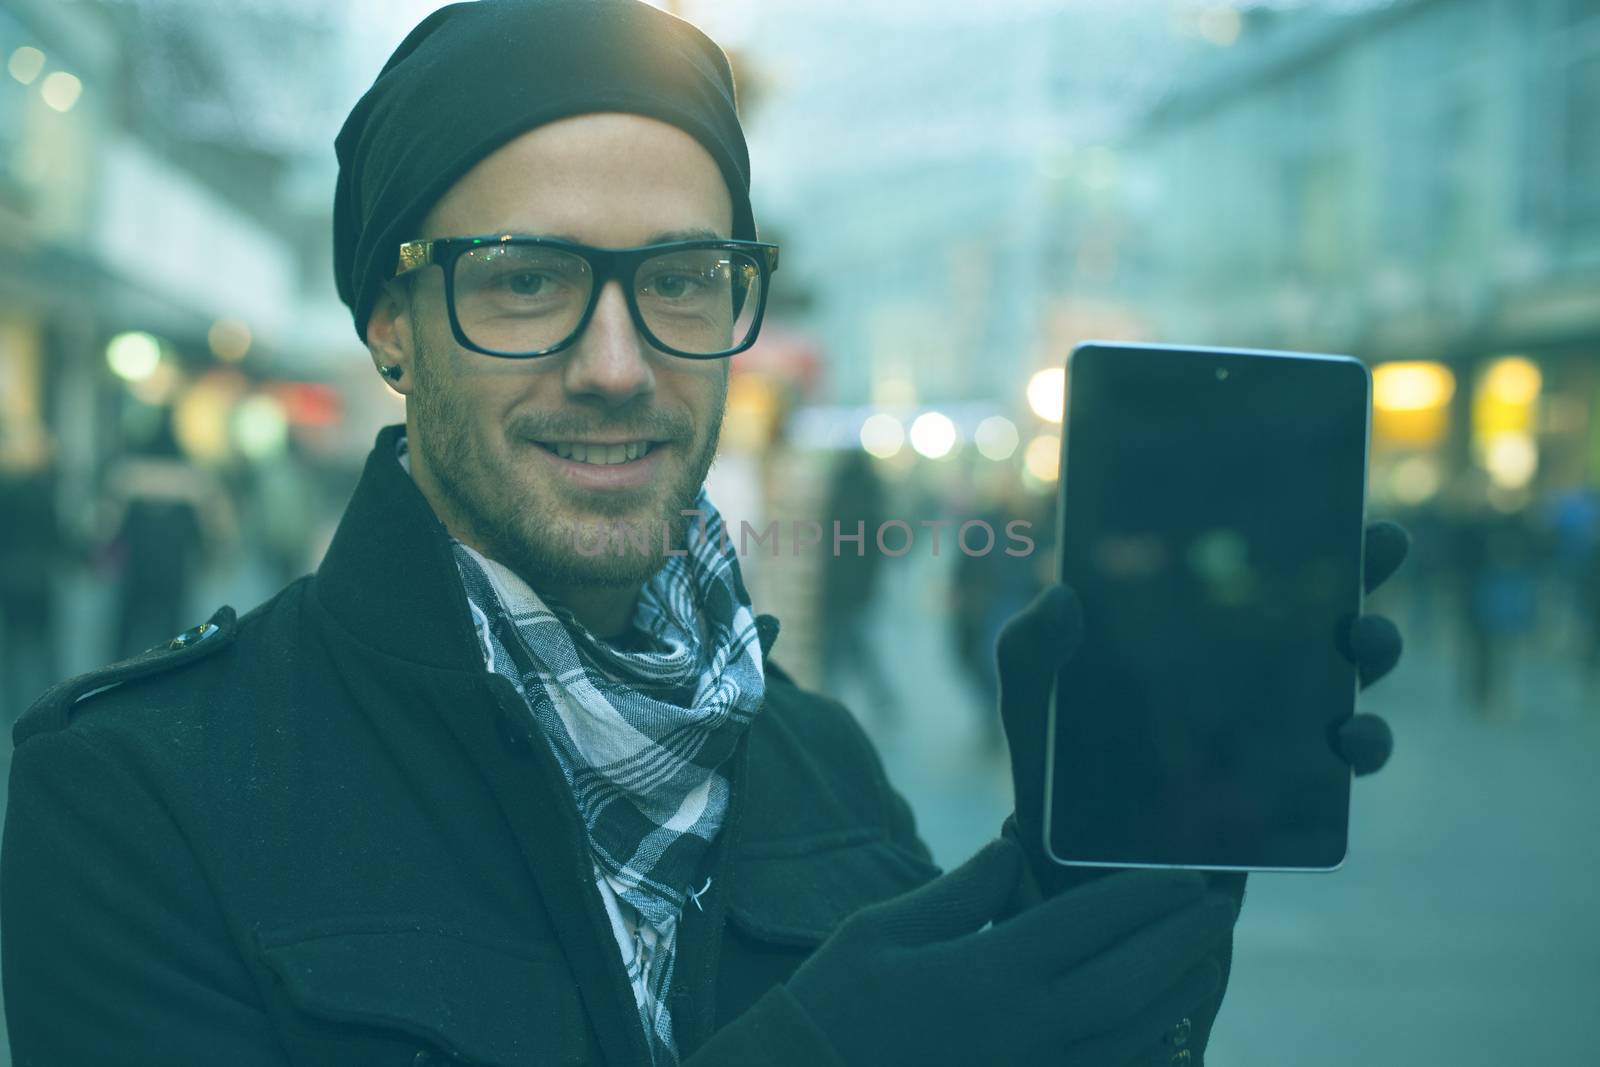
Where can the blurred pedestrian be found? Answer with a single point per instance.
(849, 583)
(1572, 517)
(1588, 596)
(1498, 603)
(169, 519)
(988, 588)
(30, 551)
(284, 508)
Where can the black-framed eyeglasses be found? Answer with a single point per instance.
(521, 297)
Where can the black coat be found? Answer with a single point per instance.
(323, 834)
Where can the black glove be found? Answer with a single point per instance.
(1043, 636)
(1097, 977)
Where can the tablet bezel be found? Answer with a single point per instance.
(1061, 496)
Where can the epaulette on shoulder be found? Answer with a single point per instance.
(52, 710)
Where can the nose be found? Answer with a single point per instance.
(608, 364)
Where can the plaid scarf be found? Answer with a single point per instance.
(639, 735)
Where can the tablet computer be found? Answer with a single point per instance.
(1212, 511)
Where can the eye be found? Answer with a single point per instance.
(526, 283)
(675, 285)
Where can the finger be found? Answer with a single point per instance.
(1365, 742)
(1126, 979)
(1229, 882)
(959, 902)
(1375, 646)
(1145, 1040)
(1036, 642)
(1065, 930)
(1387, 544)
(1029, 654)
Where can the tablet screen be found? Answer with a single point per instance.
(1211, 521)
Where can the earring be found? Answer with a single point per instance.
(391, 371)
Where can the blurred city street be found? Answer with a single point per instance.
(962, 194)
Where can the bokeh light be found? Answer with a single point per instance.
(229, 340)
(1042, 459)
(933, 434)
(60, 90)
(1415, 479)
(1221, 25)
(260, 426)
(882, 435)
(202, 414)
(1414, 386)
(1513, 380)
(996, 438)
(25, 64)
(1047, 393)
(133, 356)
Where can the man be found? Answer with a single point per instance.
(473, 794)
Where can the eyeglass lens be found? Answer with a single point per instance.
(519, 299)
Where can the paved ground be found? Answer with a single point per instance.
(1464, 929)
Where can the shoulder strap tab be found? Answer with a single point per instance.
(52, 710)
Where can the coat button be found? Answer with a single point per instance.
(189, 637)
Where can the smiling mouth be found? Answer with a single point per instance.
(601, 455)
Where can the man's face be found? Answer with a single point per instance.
(479, 425)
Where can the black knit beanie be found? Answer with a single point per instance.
(473, 76)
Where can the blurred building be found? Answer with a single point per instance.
(912, 152)
(165, 275)
(1419, 185)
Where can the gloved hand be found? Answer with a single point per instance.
(1097, 977)
(1043, 636)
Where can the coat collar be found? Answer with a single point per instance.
(389, 576)
(390, 579)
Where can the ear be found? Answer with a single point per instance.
(390, 338)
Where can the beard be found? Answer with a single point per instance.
(489, 497)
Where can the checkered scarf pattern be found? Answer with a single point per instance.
(639, 735)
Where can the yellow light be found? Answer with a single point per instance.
(752, 408)
(25, 64)
(60, 90)
(1418, 386)
(1505, 402)
(1042, 459)
(882, 435)
(1513, 380)
(229, 340)
(996, 438)
(201, 416)
(1047, 393)
(134, 356)
(933, 434)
